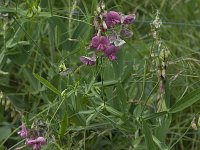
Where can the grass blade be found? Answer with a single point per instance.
(47, 84)
(186, 101)
(148, 137)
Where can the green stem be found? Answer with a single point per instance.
(102, 72)
(144, 80)
(148, 98)
(50, 7)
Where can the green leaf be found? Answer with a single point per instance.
(118, 65)
(106, 83)
(122, 98)
(167, 94)
(148, 137)
(64, 125)
(162, 128)
(47, 84)
(5, 132)
(22, 43)
(113, 111)
(28, 75)
(186, 101)
(155, 115)
(161, 145)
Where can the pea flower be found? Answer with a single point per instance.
(128, 19)
(36, 143)
(88, 60)
(109, 36)
(24, 132)
(112, 37)
(100, 42)
(111, 51)
(126, 33)
(112, 18)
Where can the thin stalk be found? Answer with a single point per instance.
(50, 7)
(18, 148)
(148, 98)
(144, 80)
(102, 80)
(84, 137)
(180, 138)
(70, 18)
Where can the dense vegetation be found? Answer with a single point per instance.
(145, 99)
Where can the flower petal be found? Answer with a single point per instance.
(128, 19)
(88, 60)
(112, 18)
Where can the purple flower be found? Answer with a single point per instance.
(100, 42)
(37, 146)
(36, 143)
(24, 132)
(112, 18)
(111, 51)
(112, 37)
(88, 60)
(128, 19)
(126, 33)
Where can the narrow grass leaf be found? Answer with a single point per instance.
(28, 75)
(148, 137)
(47, 84)
(113, 111)
(5, 132)
(64, 125)
(155, 115)
(186, 101)
(160, 144)
(122, 98)
(106, 83)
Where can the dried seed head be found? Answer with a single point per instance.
(193, 124)
(199, 121)
(157, 22)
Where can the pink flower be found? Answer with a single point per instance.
(112, 18)
(88, 60)
(36, 143)
(111, 51)
(126, 33)
(128, 19)
(24, 132)
(100, 42)
(112, 37)
(37, 146)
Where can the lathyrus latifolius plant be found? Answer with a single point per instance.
(34, 136)
(110, 28)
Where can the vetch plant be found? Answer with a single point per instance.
(132, 92)
(110, 28)
(34, 137)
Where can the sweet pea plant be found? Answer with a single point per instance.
(110, 27)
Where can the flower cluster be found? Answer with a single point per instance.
(110, 28)
(32, 140)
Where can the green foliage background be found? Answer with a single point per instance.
(80, 112)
